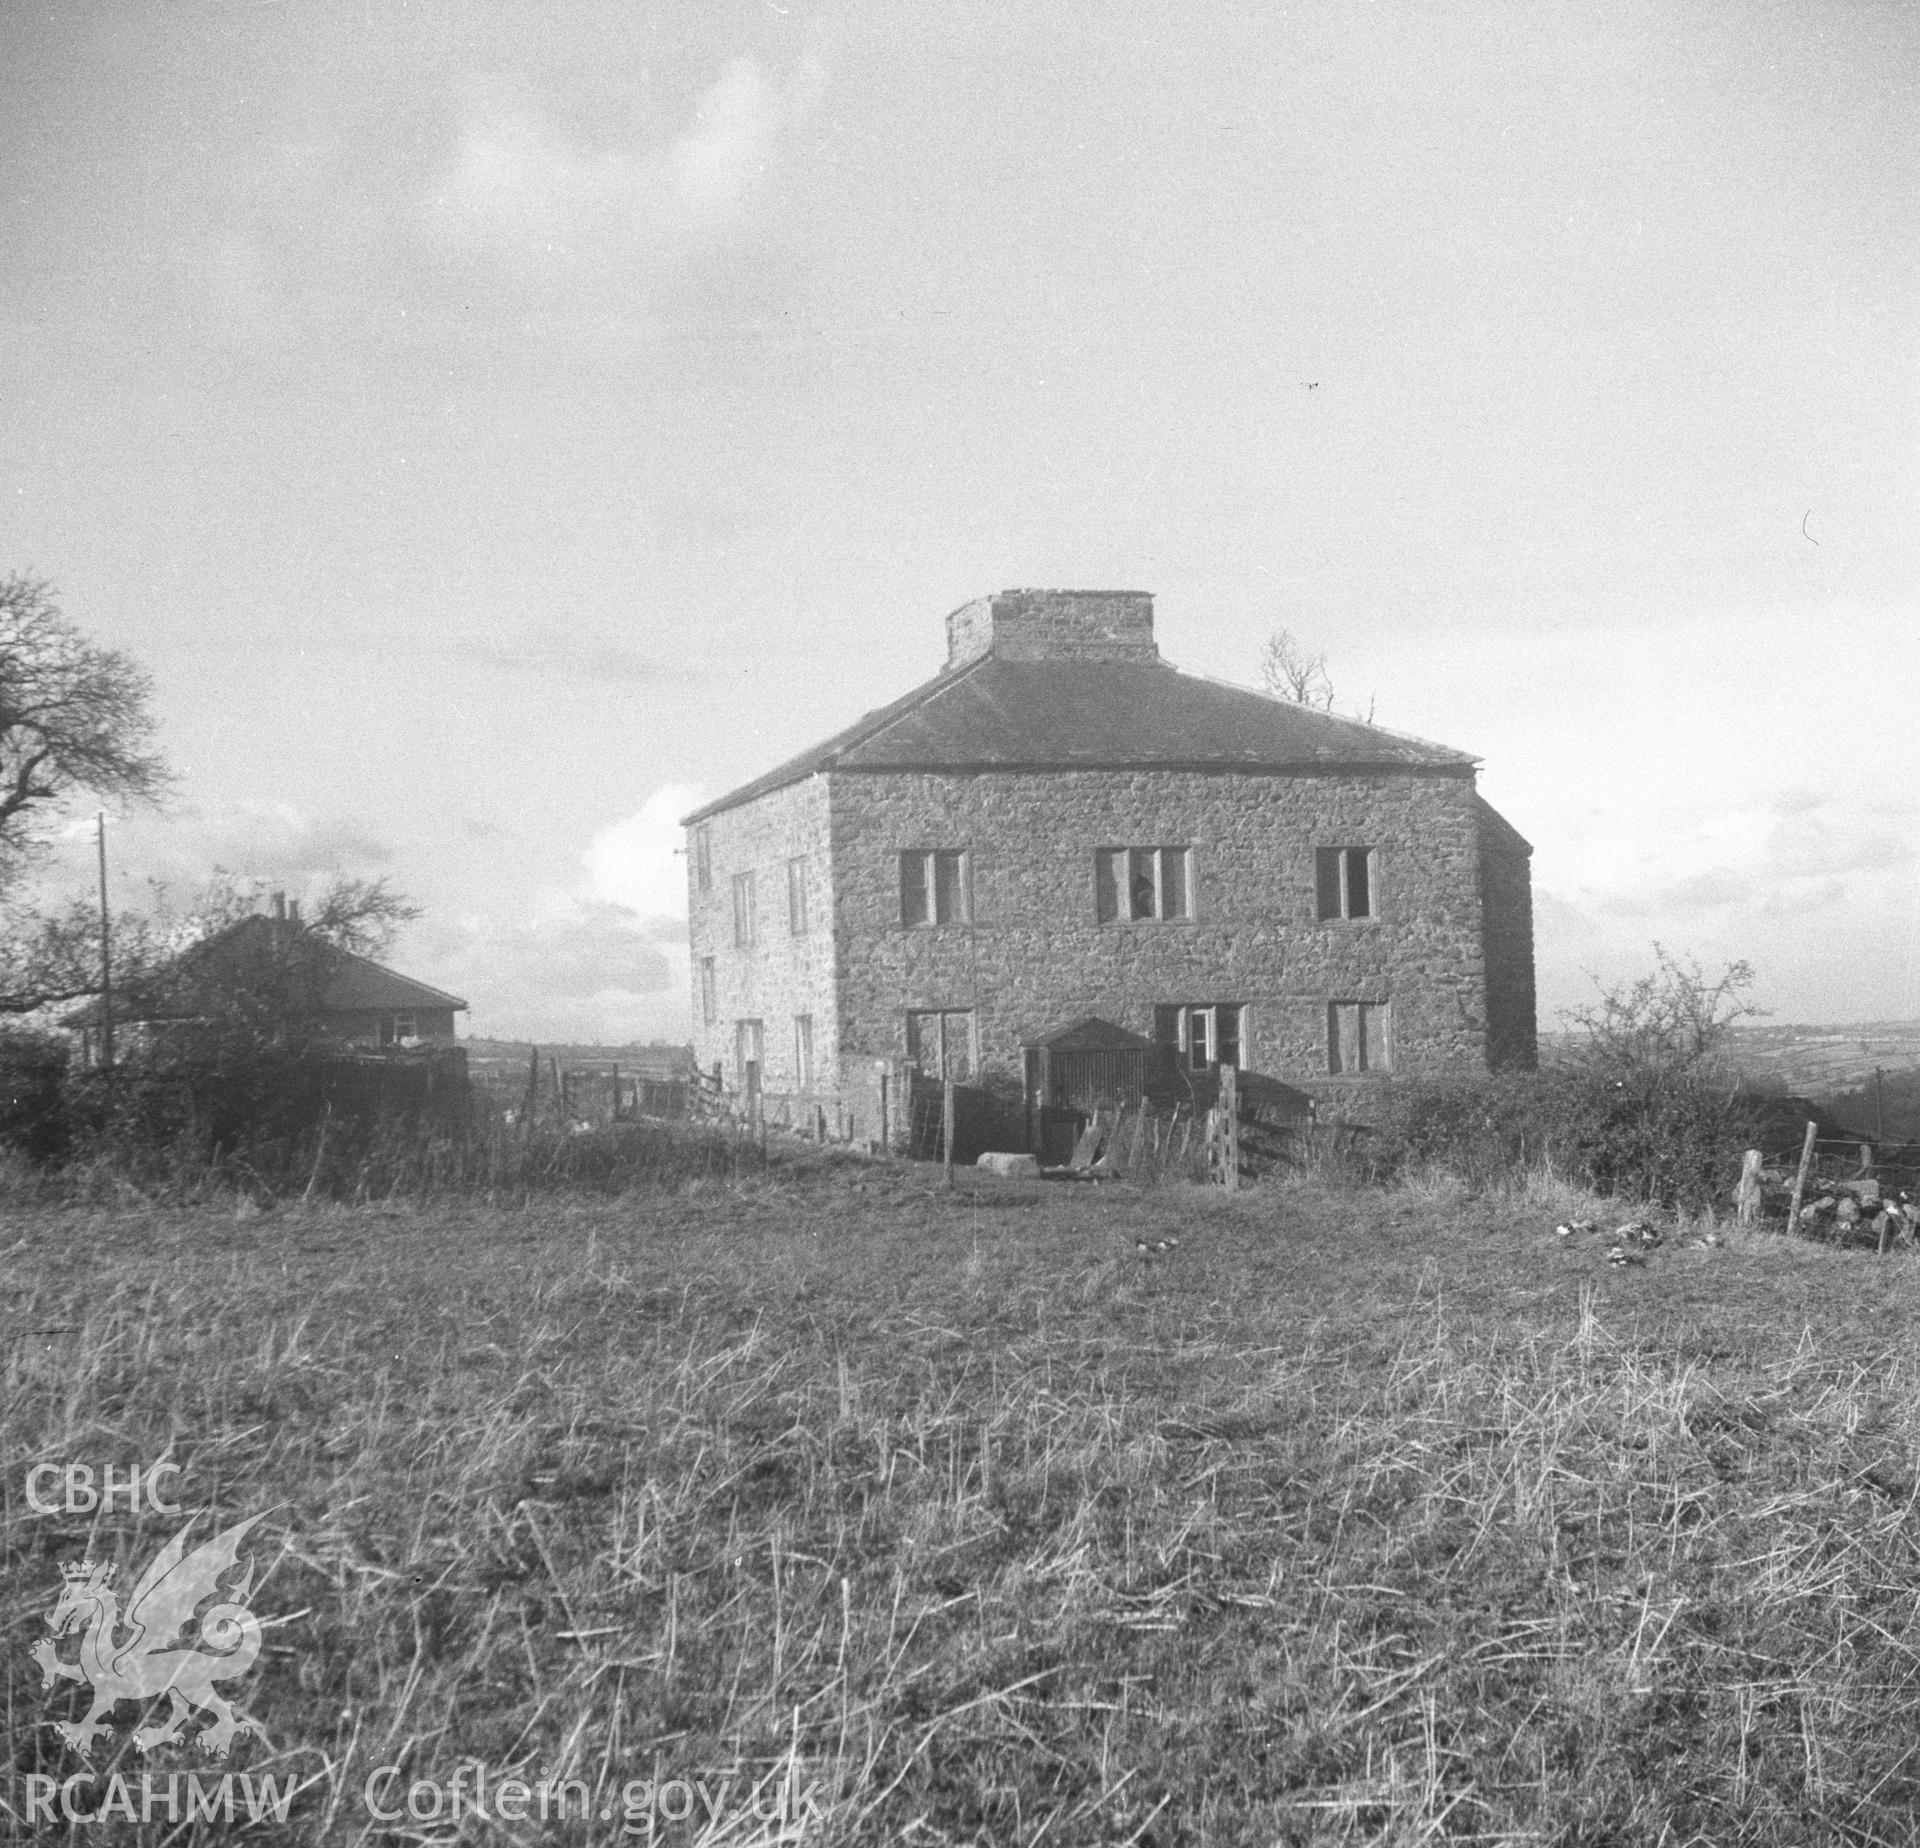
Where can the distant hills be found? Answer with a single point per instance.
(1823, 1061)
(485, 1057)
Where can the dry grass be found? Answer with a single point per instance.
(1359, 1517)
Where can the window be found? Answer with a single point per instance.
(940, 1042)
(703, 859)
(396, 1029)
(743, 911)
(797, 895)
(1202, 1034)
(1343, 880)
(803, 1051)
(749, 1051)
(1356, 1036)
(1131, 883)
(708, 1011)
(934, 887)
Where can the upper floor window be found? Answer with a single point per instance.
(744, 919)
(1357, 1037)
(1343, 881)
(1202, 1035)
(797, 895)
(1131, 883)
(703, 859)
(934, 887)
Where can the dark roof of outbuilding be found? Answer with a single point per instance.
(1005, 715)
(245, 952)
(1092, 1034)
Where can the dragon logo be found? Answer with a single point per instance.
(152, 1658)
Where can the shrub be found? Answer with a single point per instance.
(1645, 1104)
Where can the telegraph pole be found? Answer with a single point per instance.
(106, 953)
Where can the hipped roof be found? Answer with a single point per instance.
(245, 951)
(1000, 715)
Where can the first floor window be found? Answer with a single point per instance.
(934, 886)
(744, 911)
(708, 1011)
(797, 895)
(1343, 882)
(940, 1042)
(703, 859)
(749, 1051)
(1202, 1034)
(1356, 1036)
(1132, 883)
(803, 1051)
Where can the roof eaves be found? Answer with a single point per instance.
(1444, 752)
(827, 756)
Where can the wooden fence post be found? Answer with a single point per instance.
(1230, 1127)
(1800, 1179)
(1746, 1194)
(946, 1125)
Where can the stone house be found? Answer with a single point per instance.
(1061, 825)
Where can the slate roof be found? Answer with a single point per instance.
(243, 952)
(998, 715)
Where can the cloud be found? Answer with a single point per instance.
(579, 657)
(588, 952)
(638, 863)
(1720, 886)
(522, 189)
(268, 843)
(604, 960)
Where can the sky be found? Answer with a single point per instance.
(498, 428)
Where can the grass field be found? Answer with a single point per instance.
(932, 1518)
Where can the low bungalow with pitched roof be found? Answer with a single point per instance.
(263, 965)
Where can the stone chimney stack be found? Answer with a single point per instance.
(1054, 625)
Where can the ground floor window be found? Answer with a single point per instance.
(940, 1042)
(1357, 1037)
(1203, 1034)
(397, 1029)
(803, 1051)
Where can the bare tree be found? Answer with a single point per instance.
(47, 958)
(1288, 672)
(73, 718)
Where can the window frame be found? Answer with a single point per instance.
(397, 1029)
(797, 912)
(1183, 1016)
(1372, 1034)
(1333, 879)
(803, 1052)
(709, 992)
(916, 1043)
(924, 864)
(1118, 873)
(703, 858)
(746, 915)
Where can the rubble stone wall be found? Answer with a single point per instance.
(781, 974)
(1034, 956)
